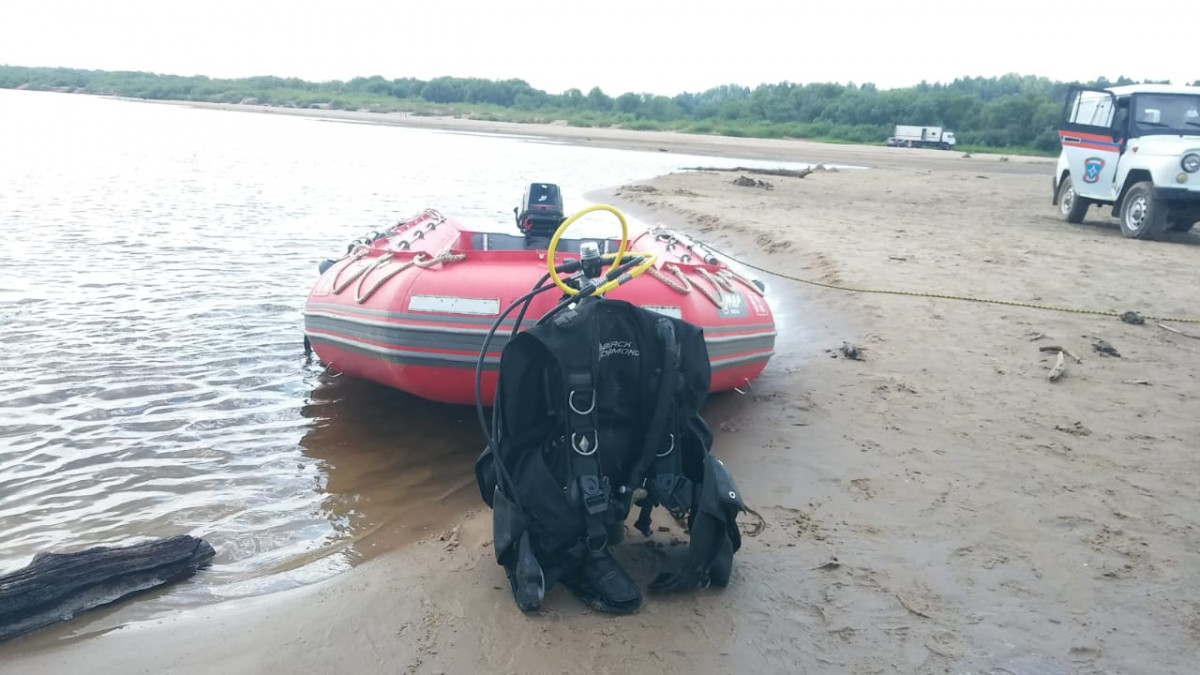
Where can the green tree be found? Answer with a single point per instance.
(599, 101)
(574, 99)
(627, 103)
(1010, 110)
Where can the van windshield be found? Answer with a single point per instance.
(1166, 114)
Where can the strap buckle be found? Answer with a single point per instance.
(595, 494)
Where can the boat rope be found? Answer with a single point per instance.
(361, 297)
(360, 248)
(684, 285)
(950, 296)
(717, 281)
(433, 216)
(421, 259)
(354, 257)
(442, 257)
(715, 293)
(728, 273)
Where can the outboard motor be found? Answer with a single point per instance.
(541, 210)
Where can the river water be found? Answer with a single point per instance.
(152, 380)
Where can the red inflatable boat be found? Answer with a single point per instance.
(410, 307)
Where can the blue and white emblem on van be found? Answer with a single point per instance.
(1092, 166)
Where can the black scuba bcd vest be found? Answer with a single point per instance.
(598, 408)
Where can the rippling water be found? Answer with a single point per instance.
(155, 260)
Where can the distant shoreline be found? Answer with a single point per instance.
(787, 150)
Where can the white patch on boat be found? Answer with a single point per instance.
(760, 307)
(450, 304)
(666, 310)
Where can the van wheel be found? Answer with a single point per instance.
(1072, 207)
(1141, 216)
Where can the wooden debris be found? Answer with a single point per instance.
(752, 182)
(1142, 382)
(1106, 349)
(785, 173)
(1178, 332)
(649, 189)
(907, 604)
(56, 586)
(1059, 369)
(1061, 350)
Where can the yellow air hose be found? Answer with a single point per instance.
(647, 263)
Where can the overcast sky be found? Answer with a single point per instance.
(663, 47)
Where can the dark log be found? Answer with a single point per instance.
(788, 173)
(56, 586)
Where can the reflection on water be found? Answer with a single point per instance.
(382, 494)
(156, 259)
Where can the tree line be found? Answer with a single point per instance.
(1011, 112)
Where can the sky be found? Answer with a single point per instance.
(661, 47)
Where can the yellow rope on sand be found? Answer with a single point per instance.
(950, 296)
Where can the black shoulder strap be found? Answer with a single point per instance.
(659, 442)
(573, 341)
(681, 394)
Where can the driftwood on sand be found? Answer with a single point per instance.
(1060, 367)
(786, 173)
(56, 586)
(1179, 332)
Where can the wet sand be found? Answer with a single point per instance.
(936, 507)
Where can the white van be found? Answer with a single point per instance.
(1136, 148)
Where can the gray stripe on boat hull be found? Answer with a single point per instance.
(469, 340)
(403, 336)
(740, 360)
(406, 357)
(316, 308)
(410, 358)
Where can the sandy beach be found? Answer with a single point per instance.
(649, 141)
(936, 507)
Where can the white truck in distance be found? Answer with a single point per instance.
(908, 136)
(1135, 148)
